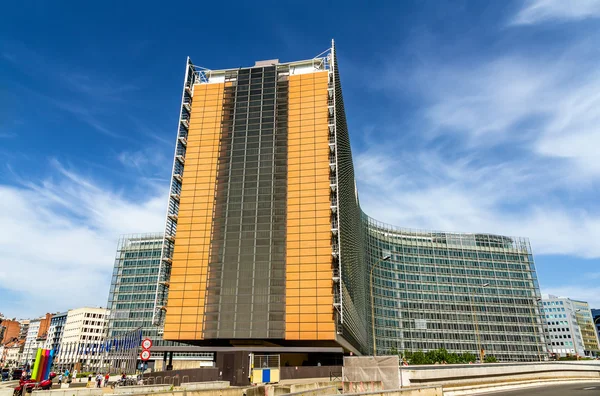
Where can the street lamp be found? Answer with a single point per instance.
(387, 257)
(476, 324)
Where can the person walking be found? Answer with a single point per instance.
(99, 380)
(60, 377)
(106, 377)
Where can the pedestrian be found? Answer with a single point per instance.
(59, 378)
(99, 380)
(90, 377)
(106, 377)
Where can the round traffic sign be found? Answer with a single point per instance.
(145, 355)
(147, 343)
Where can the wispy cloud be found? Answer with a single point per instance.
(149, 160)
(502, 144)
(102, 88)
(545, 104)
(61, 232)
(92, 96)
(430, 191)
(536, 11)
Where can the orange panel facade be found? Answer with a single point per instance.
(185, 314)
(309, 294)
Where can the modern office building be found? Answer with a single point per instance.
(83, 334)
(585, 321)
(458, 291)
(266, 245)
(570, 327)
(596, 316)
(132, 295)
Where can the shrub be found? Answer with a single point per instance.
(490, 359)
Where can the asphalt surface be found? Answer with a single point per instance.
(575, 389)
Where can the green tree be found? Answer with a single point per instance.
(467, 358)
(418, 358)
(490, 359)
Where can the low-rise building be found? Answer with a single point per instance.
(9, 329)
(570, 328)
(12, 353)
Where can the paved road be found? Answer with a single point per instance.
(575, 389)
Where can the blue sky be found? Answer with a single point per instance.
(464, 116)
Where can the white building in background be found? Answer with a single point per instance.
(31, 343)
(12, 353)
(570, 327)
(23, 328)
(83, 333)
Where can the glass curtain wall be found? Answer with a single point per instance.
(246, 287)
(461, 292)
(133, 289)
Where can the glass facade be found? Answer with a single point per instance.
(265, 238)
(253, 247)
(246, 285)
(133, 289)
(133, 285)
(458, 291)
(585, 321)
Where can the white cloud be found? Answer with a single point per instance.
(536, 11)
(426, 190)
(58, 239)
(150, 159)
(553, 105)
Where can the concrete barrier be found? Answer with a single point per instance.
(362, 387)
(230, 391)
(288, 388)
(140, 389)
(314, 385)
(189, 386)
(6, 391)
(9, 384)
(476, 374)
(420, 391)
(235, 391)
(204, 385)
(70, 392)
(328, 390)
